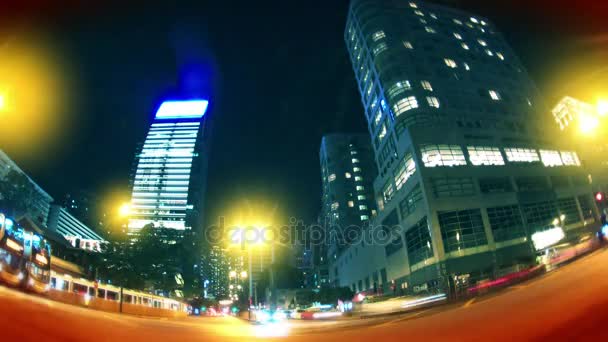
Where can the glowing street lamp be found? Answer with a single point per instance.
(244, 274)
(232, 274)
(602, 107)
(124, 210)
(588, 123)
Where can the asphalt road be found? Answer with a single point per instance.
(569, 304)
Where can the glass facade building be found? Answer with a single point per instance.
(163, 184)
(468, 168)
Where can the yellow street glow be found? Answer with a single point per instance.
(125, 210)
(2, 103)
(602, 107)
(588, 123)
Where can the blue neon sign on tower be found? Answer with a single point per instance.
(182, 109)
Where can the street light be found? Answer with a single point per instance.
(125, 210)
(602, 107)
(232, 274)
(244, 275)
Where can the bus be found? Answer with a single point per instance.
(12, 252)
(25, 257)
(38, 265)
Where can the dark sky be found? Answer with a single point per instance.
(283, 79)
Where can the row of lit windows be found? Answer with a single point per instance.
(452, 155)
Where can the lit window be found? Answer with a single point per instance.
(489, 53)
(404, 105)
(378, 35)
(358, 179)
(469, 25)
(332, 177)
(398, 88)
(450, 62)
(485, 156)
(525, 155)
(466, 66)
(335, 206)
(422, 21)
(364, 217)
(353, 152)
(464, 46)
(483, 23)
(360, 188)
(458, 36)
(362, 207)
(405, 169)
(356, 169)
(378, 117)
(347, 175)
(355, 160)
(474, 20)
(408, 45)
(432, 101)
(388, 191)
(482, 42)
(380, 48)
(382, 132)
(426, 85)
(419, 13)
(413, 5)
(442, 155)
(361, 197)
(429, 29)
(433, 15)
(570, 158)
(456, 21)
(494, 95)
(550, 158)
(351, 204)
(502, 58)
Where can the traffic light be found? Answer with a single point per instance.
(599, 196)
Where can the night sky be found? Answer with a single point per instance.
(282, 75)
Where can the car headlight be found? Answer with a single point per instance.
(262, 316)
(279, 316)
(20, 276)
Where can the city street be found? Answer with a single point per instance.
(570, 303)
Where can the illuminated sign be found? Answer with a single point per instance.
(13, 245)
(189, 109)
(546, 238)
(41, 259)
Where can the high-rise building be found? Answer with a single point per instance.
(167, 188)
(215, 273)
(40, 201)
(468, 175)
(169, 183)
(76, 232)
(347, 172)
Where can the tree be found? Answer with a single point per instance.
(16, 193)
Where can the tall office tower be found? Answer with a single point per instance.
(170, 182)
(465, 168)
(215, 272)
(347, 171)
(167, 187)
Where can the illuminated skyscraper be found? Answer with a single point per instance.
(471, 180)
(168, 186)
